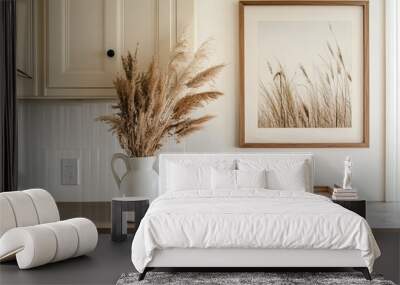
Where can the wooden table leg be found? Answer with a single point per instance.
(117, 222)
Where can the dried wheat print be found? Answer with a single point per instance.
(313, 93)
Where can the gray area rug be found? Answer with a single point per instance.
(233, 278)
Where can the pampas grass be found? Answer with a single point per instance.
(157, 103)
(323, 102)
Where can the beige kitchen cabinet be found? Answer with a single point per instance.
(81, 41)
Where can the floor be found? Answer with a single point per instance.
(384, 219)
(104, 266)
(110, 260)
(384, 216)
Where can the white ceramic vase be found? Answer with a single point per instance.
(140, 178)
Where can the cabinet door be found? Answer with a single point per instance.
(79, 34)
(25, 49)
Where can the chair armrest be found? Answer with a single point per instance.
(40, 244)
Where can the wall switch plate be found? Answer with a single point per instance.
(69, 171)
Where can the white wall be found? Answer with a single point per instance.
(219, 20)
(54, 130)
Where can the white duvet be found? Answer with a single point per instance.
(251, 218)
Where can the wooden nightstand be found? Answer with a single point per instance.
(356, 206)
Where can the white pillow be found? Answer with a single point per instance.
(188, 177)
(293, 179)
(282, 174)
(251, 178)
(223, 179)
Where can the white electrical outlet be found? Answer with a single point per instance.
(69, 171)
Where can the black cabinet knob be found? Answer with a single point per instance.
(110, 53)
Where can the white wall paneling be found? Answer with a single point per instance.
(52, 130)
(392, 102)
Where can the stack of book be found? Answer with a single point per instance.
(344, 194)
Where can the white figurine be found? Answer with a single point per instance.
(347, 173)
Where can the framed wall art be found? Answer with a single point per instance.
(304, 74)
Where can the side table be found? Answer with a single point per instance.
(119, 207)
(356, 206)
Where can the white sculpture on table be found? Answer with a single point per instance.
(347, 173)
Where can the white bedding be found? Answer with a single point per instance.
(251, 218)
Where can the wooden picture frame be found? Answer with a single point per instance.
(363, 139)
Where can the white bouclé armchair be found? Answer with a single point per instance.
(31, 230)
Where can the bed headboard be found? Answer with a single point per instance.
(216, 158)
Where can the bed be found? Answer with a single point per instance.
(244, 211)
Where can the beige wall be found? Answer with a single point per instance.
(219, 20)
(53, 130)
